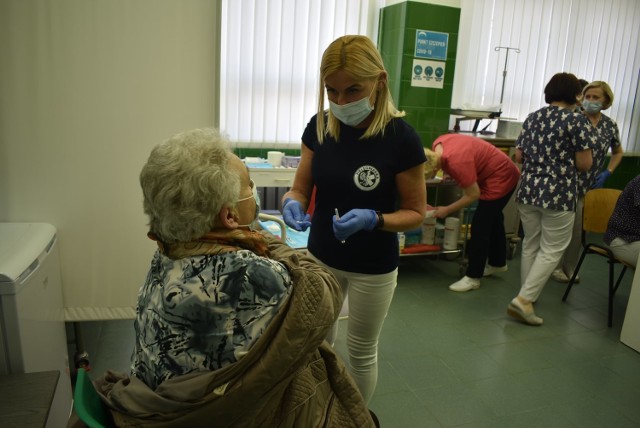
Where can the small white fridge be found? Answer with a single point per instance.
(32, 329)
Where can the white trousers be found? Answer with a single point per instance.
(369, 300)
(546, 236)
(627, 251)
(571, 256)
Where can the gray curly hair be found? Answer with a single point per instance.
(186, 182)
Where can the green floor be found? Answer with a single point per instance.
(456, 360)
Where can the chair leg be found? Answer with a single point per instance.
(575, 274)
(613, 288)
(624, 269)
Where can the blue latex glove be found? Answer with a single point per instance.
(354, 221)
(294, 216)
(601, 178)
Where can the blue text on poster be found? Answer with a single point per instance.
(431, 44)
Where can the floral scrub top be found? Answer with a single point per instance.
(549, 140)
(607, 137)
(204, 312)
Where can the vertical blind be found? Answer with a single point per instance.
(271, 54)
(593, 39)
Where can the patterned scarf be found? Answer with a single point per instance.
(215, 242)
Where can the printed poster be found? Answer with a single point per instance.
(431, 45)
(428, 73)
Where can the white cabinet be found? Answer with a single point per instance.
(273, 177)
(32, 309)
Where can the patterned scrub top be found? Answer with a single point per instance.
(549, 140)
(624, 222)
(607, 137)
(204, 312)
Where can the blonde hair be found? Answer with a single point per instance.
(606, 89)
(357, 56)
(431, 164)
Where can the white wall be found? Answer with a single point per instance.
(87, 88)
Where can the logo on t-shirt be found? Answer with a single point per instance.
(366, 178)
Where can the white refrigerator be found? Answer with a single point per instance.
(32, 329)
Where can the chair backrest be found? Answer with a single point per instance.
(598, 207)
(88, 404)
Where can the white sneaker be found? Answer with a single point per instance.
(465, 284)
(490, 270)
(560, 276)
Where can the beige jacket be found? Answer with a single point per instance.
(291, 377)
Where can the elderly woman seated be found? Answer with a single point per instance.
(230, 322)
(623, 230)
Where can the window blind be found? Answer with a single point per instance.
(271, 53)
(595, 40)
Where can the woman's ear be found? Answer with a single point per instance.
(382, 81)
(228, 218)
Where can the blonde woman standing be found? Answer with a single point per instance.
(596, 96)
(367, 165)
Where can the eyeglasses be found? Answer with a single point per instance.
(254, 192)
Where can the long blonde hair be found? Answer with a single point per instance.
(358, 56)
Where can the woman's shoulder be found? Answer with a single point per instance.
(400, 123)
(606, 119)
(398, 126)
(538, 114)
(251, 259)
(313, 119)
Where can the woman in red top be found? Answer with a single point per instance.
(487, 175)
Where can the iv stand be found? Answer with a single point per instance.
(504, 73)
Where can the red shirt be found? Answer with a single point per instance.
(470, 159)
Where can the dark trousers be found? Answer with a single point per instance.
(488, 242)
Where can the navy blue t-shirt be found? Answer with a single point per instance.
(354, 173)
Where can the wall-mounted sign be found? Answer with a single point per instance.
(427, 74)
(431, 44)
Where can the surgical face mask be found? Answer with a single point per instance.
(591, 106)
(353, 113)
(256, 197)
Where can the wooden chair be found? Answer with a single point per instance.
(88, 404)
(598, 207)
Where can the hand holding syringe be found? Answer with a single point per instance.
(354, 221)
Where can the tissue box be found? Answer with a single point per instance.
(290, 161)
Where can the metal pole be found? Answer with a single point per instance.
(504, 73)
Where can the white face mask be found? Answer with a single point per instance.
(353, 113)
(256, 196)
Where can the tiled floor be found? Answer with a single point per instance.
(456, 360)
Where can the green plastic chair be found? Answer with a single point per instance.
(88, 404)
